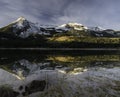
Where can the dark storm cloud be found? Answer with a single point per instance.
(104, 13)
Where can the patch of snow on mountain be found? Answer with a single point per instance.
(74, 26)
(20, 22)
(96, 28)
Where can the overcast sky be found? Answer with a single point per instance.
(103, 13)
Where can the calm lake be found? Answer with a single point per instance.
(61, 73)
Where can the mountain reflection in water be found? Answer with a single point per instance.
(66, 75)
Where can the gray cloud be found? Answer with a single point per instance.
(104, 13)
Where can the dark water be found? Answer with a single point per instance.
(66, 73)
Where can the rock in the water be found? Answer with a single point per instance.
(21, 88)
(34, 86)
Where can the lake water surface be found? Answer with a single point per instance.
(61, 73)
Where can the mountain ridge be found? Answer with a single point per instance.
(24, 28)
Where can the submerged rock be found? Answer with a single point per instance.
(34, 86)
(21, 88)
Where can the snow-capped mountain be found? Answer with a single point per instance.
(20, 28)
(25, 27)
(74, 26)
(50, 30)
(100, 32)
(96, 28)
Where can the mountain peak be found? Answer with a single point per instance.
(97, 28)
(70, 24)
(20, 20)
(73, 25)
(24, 27)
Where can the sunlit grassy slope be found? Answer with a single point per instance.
(104, 40)
(84, 58)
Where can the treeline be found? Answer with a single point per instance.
(62, 42)
(36, 43)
